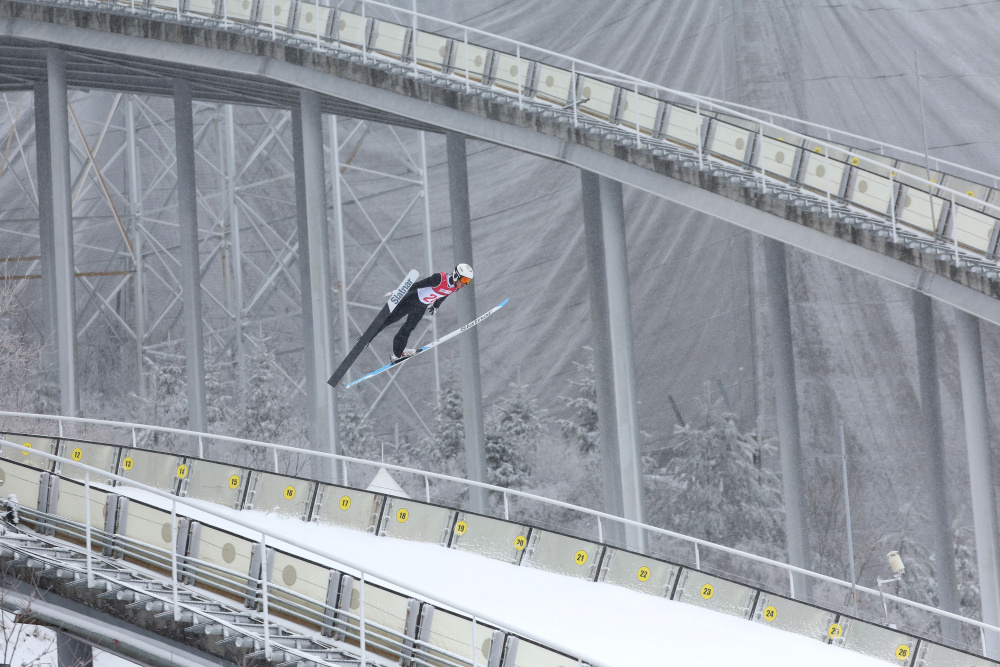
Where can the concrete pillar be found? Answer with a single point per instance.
(796, 529)
(937, 466)
(187, 218)
(46, 229)
(984, 505)
(314, 267)
(472, 391)
(72, 652)
(63, 271)
(614, 363)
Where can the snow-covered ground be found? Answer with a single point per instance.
(603, 623)
(35, 646)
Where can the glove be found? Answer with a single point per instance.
(431, 310)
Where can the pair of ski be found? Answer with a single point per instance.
(376, 325)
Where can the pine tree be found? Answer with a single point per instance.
(357, 434)
(17, 354)
(583, 429)
(510, 439)
(713, 487)
(448, 442)
(266, 413)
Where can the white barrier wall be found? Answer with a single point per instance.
(710, 592)
(486, 536)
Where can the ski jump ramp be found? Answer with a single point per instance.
(922, 223)
(215, 561)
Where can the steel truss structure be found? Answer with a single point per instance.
(127, 237)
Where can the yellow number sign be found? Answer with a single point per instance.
(461, 527)
(402, 515)
(182, 471)
(127, 463)
(77, 454)
(345, 503)
(519, 542)
(234, 481)
(289, 492)
(707, 591)
(770, 613)
(834, 631)
(28, 445)
(902, 652)
(643, 574)
(580, 558)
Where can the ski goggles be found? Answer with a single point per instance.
(464, 280)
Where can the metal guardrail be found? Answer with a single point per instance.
(404, 60)
(133, 430)
(177, 572)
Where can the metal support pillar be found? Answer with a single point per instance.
(984, 505)
(72, 652)
(63, 271)
(787, 405)
(936, 467)
(614, 364)
(46, 231)
(472, 391)
(187, 217)
(135, 214)
(314, 267)
(338, 220)
(428, 248)
(236, 260)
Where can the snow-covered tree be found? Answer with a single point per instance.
(448, 442)
(583, 428)
(713, 486)
(266, 412)
(511, 436)
(357, 433)
(17, 354)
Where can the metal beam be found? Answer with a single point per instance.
(786, 399)
(187, 217)
(614, 364)
(984, 504)
(46, 229)
(135, 199)
(936, 467)
(428, 249)
(314, 266)
(236, 259)
(472, 390)
(62, 231)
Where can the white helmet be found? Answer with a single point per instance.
(462, 274)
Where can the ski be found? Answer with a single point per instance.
(373, 328)
(431, 345)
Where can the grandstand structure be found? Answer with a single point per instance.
(919, 222)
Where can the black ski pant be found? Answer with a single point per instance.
(413, 310)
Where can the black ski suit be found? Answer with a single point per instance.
(425, 294)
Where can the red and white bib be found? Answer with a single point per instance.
(441, 290)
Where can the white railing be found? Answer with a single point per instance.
(364, 570)
(522, 52)
(696, 543)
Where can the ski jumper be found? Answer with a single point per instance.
(428, 292)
